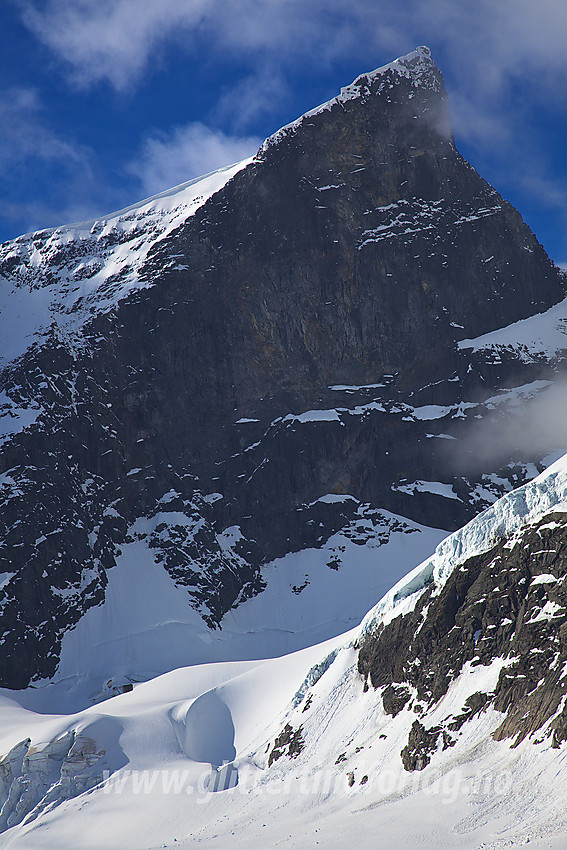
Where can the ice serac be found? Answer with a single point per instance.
(223, 381)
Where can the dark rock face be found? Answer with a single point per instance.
(357, 249)
(422, 743)
(508, 603)
(394, 698)
(289, 742)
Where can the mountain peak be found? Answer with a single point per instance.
(418, 65)
(417, 69)
(194, 382)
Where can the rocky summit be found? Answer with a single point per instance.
(228, 395)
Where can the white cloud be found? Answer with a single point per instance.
(251, 97)
(119, 40)
(532, 428)
(190, 151)
(25, 132)
(113, 40)
(549, 190)
(31, 153)
(485, 45)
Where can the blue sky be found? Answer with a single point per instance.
(104, 102)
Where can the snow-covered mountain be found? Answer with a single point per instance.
(226, 411)
(439, 721)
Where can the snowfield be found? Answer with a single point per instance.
(541, 336)
(147, 625)
(288, 752)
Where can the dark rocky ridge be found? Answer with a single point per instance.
(490, 608)
(357, 248)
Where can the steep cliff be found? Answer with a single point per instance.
(250, 365)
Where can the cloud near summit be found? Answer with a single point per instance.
(187, 151)
(121, 40)
(490, 52)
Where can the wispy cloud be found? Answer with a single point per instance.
(549, 190)
(25, 132)
(119, 40)
(111, 40)
(167, 159)
(486, 46)
(480, 123)
(256, 95)
(31, 153)
(530, 429)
